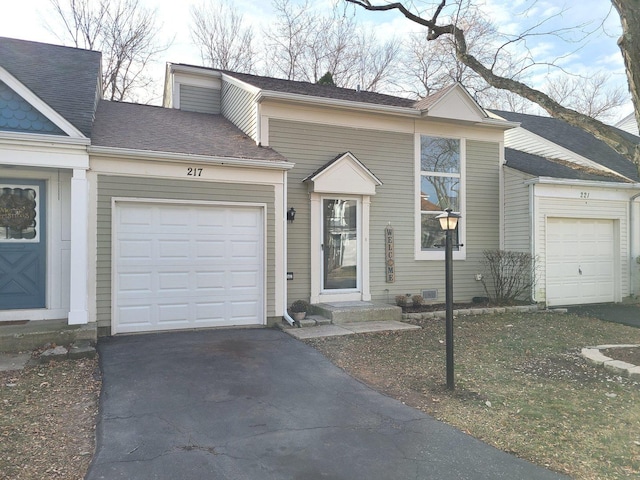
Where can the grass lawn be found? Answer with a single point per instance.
(521, 385)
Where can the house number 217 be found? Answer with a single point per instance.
(194, 172)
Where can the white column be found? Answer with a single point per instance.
(79, 244)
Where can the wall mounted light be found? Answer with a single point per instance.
(291, 215)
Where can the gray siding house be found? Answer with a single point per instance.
(365, 163)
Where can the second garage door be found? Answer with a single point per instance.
(179, 266)
(580, 261)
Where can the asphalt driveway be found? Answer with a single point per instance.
(259, 404)
(626, 314)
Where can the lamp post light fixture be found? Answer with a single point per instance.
(449, 222)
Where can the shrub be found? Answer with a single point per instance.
(510, 276)
(418, 299)
(299, 306)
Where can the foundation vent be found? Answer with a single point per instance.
(431, 294)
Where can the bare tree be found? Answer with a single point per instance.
(303, 45)
(588, 95)
(287, 38)
(442, 23)
(222, 38)
(125, 33)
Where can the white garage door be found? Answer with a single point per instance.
(180, 266)
(580, 261)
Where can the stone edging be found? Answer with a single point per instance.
(595, 357)
(477, 311)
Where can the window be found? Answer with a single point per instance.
(18, 213)
(440, 187)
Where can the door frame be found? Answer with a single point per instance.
(362, 291)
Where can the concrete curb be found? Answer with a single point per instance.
(594, 356)
(479, 311)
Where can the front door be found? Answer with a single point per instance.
(340, 250)
(22, 244)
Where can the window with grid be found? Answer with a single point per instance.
(440, 180)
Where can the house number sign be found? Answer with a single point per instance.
(390, 267)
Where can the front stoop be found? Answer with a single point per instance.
(349, 312)
(23, 337)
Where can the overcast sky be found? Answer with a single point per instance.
(25, 19)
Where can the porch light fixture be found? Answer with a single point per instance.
(291, 215)
(449, 222)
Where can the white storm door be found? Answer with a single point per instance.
(580, 261)
(179, 266)
(340, 245)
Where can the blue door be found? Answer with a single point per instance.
(22, 244)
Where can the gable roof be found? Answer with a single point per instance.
(158, 129)
(322, 91)
(67, 79)
(447, 102)
(546, 167)
(576, 140)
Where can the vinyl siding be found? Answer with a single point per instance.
(153, 188)
(239, 107)
(390, 156)
(562, 207)
(517, 217)
(199, 99)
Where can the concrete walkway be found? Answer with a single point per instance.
(258, 404)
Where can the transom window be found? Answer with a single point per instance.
(440, 180)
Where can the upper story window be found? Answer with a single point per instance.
(440, 183)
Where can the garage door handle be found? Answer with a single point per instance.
(579, 270)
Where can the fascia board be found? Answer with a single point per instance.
(332, 102)
(582, 183)
(127, 153)
(18, 87)
(193, 70)
(20, 138)
(241, 84)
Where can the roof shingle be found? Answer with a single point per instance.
(577, 140)
(67, 79)
(159, 129)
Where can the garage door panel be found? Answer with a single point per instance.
(174, 283)
(580, 261)
(178, 266)
(173, 313)
(211, 249)
(135, 249)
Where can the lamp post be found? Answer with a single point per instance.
(448, 222)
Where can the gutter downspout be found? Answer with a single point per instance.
(532, 226)
(285, 314)
(631, 240)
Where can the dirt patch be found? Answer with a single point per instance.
(47, 420)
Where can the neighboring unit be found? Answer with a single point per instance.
(570, 200)
(48, 96)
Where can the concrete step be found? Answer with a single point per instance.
(27, 336)
(349, 312)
